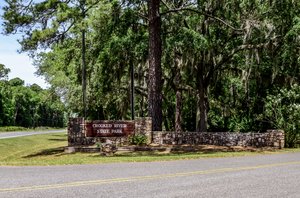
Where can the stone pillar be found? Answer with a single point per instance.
(281, 139)
(278, 138)
(144, 126)
(75, 131)
(157, 137)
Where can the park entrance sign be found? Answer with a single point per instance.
(87, 132)
(100, 128)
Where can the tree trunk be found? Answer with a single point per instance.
(83, 51)
(155, 71)
(178, 117)
(202, 106)
(202, 86)
(132, 89)
(178, 106)
(83, 59)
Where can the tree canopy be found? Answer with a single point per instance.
(29, 106)
(198, 65)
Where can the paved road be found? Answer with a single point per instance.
(275, 175)
(5, 135)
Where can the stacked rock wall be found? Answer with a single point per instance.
(144, 126)
(271, 138)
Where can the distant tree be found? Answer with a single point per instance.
(16, 82)
(3, 72)
(36, 88)
(46, 23)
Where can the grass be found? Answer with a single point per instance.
(48, 149)
(19, 128)
(12, 128)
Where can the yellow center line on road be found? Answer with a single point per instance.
(141, 178)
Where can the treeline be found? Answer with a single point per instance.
(28, 106)
(206, 65)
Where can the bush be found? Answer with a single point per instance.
(283, 111)
(12, 128)
(138, 139)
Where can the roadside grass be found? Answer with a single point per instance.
(12, 128)
(23, 129)
(48, 149)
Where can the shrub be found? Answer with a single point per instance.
(12, 128)
(283, 111)
(138, 139)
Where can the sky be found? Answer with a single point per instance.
(20, 64)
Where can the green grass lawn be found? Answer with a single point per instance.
(48, 149)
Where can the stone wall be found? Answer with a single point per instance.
(271, 138)
(77, 132)
(144, 126)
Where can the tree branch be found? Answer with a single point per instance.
(166, 4)
(201, 13)
(229, 56)
(140, 90)
(90, 7)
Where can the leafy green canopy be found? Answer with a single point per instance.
(221, 60)
(29, 106)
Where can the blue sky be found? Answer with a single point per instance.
(19, 64)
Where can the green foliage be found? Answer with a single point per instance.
(29, 106)
(3, 71)
(99, 145)
(138, 139)
(283, 111)
(16, 82)
(12, 128)
(225, 58)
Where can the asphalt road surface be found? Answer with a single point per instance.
(276, 175)
(5, 135)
